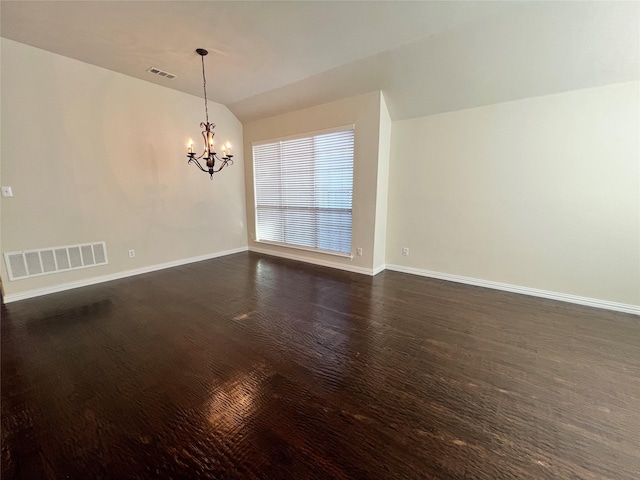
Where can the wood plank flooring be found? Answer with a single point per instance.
(251, 366)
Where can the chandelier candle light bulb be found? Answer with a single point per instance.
(209, 155)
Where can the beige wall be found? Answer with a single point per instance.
(364, 112)
(541, 193)
(94, 155)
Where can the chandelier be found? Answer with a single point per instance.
(209, 156)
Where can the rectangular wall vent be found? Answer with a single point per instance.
(33, 263)
(161, 73)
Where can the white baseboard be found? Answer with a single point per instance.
(315, 261)
(14, 297)
(564, 297)
(379, 269)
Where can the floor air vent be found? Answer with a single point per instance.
(33, 263)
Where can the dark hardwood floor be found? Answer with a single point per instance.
(256, 367)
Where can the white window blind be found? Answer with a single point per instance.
(304, 189)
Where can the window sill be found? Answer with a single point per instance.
(306, 249)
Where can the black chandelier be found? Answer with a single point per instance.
(209, 155)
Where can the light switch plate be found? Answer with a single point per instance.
(7, 192)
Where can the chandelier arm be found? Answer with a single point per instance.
(224, 162)
(197, 164)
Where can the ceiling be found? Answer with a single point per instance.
(267, 58)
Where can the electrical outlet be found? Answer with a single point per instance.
(132, 253)
(405, 251)
(359, 252)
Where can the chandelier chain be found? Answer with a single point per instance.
(204, 83)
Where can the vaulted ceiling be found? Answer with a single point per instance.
(267, 58)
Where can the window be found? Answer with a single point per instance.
(304, 189)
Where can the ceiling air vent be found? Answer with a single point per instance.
(160, 73)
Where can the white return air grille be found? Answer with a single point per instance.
(33, 263)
